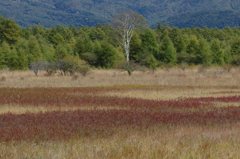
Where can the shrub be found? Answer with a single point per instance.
(152, 62)
(202, 69)
(3, 78)
(50, 68)
(129, 66)
(73, 64)
(84, 70)
(227, 67)
(168, 66)
(236, 60)
(91, 58)
(183, 66)
(75, 77)
(37, 66)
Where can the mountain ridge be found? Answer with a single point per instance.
(90, 12)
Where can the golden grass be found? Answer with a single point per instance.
(171, 94)
(175, 77)
(31, 109)
(179, 143)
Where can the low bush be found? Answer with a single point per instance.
(129, 66)
(72, 65)
(3, 78)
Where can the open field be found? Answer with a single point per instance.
(165, 114)
(174, 77)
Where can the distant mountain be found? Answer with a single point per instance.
(210, 19)
(179, 13)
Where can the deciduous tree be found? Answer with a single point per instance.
(125, 25)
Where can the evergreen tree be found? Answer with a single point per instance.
(151, 62)
(235, 46)
(227, 54)
(5, 50)
(96, 51)
(64, 32)
(69, 49)
(179, 44)
(22, 46)
(214, 32)
(26, 32)
(9, 31)
(96, 33)
(206, 34)
(38, 30)
(174, 33)
(100, 34)
(51, 32)
(60, 52)
(83, 45)
(160, 27)
(193, 46)
(74, 30)
(79, 47)
(203, 55)
(170, 54)
(22, 59)
(96, 47)
(186, 39)
(107, 55)
(221, 35)
(217, 52)
(34, 49)
(13, 62)
(58, 39)
(167, 50)
(93, 33)
(72, 43)
(228, 31)
(149, 42)
(135, 47)
(159, 31)
(2, 59)
(47, 50)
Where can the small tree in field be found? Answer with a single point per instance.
(50, 68)
(125, 25)
(72, 65)
(37, 66)
(129, 66)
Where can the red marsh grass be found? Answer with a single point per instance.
(88, 123)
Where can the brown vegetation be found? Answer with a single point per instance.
(165, 114)
(216, 76)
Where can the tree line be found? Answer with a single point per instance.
(98, 46)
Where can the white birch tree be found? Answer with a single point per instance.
(125, 25)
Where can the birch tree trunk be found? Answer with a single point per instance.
(125, 24)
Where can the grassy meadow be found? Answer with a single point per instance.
(192, 113)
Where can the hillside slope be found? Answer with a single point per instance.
(210, 19)
(90, 12)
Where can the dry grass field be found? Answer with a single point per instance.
(163, 114)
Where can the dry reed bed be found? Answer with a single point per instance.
(173, 77)
(165, 142)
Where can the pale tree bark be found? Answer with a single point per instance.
(125, 24)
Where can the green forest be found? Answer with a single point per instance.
(97, 46)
